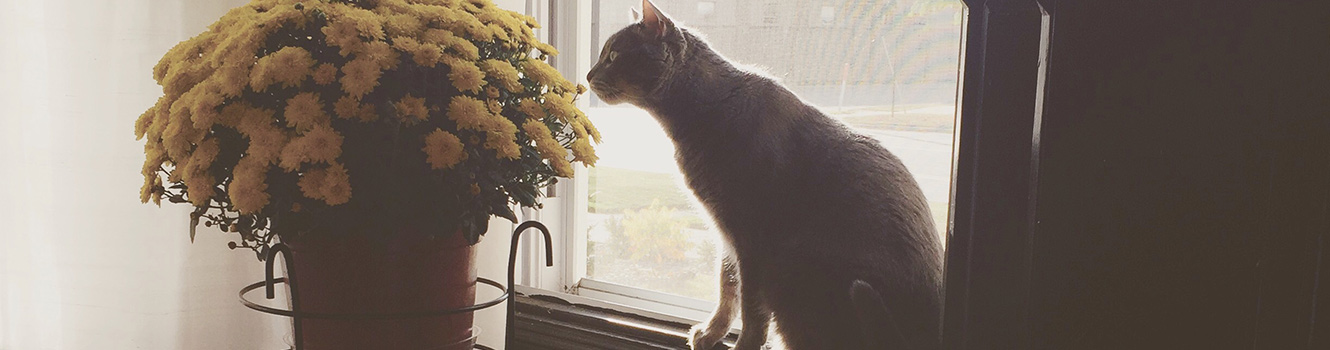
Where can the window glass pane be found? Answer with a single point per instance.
(888, 68)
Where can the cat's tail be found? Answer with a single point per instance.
(879, 327)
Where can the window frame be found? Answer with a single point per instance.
(568, 25)
(572, 27)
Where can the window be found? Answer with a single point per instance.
(888, 70)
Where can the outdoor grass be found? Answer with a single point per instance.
(614, 190)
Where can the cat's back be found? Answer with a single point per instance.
(853, 187)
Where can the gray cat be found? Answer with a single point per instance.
(829, 234)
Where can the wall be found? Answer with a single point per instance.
(84, 265)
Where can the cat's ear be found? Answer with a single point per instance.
(655, 20)
(637, 16)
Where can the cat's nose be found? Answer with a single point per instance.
(590, 76)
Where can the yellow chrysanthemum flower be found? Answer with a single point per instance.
(311, 183)
(184, 54)
(200, 160)
(558, 106)
(215, 81)
(427, 55)
(506, 21)
(443, 150)
(366, 23)
(305, 111)
(249, 117)
(380, 52)
(337, 185)
(549, 148)
(321, 144)
(505, 145)
(587, 126)
(180, 135)
(562, 167)
(498, 32)
(146, 119)
(349, 107)
(266, 143)
(238, 48)
(406, 44)
(468, 112)
(158, 125)
(472, 26)
(360, 76)
(531, 108)
(531, 21)
(200, 189)
(230, 81)
(402, 25)
(465, 75)
(283, 15)
(544, 74)
(152, 189)
(411, 109)
(331, 185)
(504, 73)
(249, 188)
(583, 152)
(325, 74)
(456, 44)
(288, 66)
(266, 138)
(238, 113)
(546, 48)
(342, 35)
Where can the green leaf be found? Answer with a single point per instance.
(505, 212)
(193, 227)
(523, 195)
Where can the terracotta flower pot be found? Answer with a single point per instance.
(357, 276)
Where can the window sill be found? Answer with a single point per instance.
(547, 322)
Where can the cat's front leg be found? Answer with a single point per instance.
(754, 311)
(706, 336)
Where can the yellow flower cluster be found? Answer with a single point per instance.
(501, 134)
(331, 185)
(288, 66)
(321, 144)
(504, 72)
(443, 150)
(282, 100)
(548, 147)
(465, 75)
(305, 111)
(545, 74)
(351, 108)
(411, 109)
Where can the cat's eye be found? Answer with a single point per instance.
(611, 56)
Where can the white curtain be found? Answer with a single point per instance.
(84, 265)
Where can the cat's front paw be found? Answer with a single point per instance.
(700, 338)
(742, 345)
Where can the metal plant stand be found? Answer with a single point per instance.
(297, 315)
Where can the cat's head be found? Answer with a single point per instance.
(639, 58)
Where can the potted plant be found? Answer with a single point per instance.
(375, 138)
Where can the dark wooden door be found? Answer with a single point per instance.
(1142, 175)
